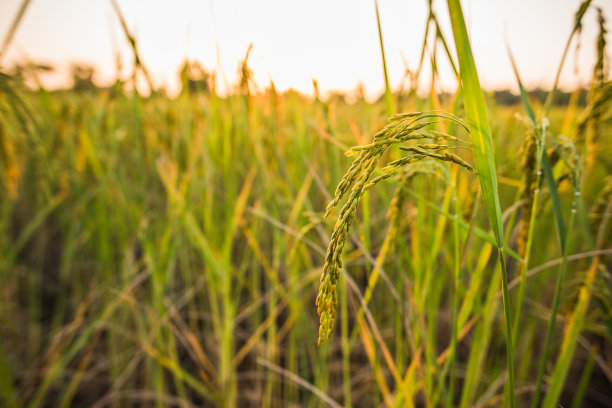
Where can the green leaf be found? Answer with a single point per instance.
(478, 121)
(484, 158)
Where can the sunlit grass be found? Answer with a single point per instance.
(168, 252)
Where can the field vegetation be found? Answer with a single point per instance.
(272, 249)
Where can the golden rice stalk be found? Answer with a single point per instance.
(599, 71)
(8, 160)
(401, 128)
(590, 124)
(528, 187)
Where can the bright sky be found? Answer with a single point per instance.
(335, 42)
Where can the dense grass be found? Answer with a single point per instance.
(161, 251)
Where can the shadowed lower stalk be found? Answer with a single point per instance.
(581, 388)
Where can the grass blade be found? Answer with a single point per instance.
(561, 233)
(478, 120)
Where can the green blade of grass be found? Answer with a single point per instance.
(539, 152)
(478, 121)
(561, 233)
(524, 98)
(417, 74)
(476, 112)
(445, 46)
(555, 199)
(573, 327)
(575, 323)
(570, 338)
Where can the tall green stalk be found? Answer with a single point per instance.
(478, 120)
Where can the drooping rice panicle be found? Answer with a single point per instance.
(400, 129)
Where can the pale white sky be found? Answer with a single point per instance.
(333, 41)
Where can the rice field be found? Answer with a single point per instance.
(271, 249)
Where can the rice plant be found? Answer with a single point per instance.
(187, 251)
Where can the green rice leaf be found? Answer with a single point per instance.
(482, 145)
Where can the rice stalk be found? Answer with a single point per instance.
(138, 64)
(477, 115)
(577, 28)
(14, 25)
(575, 324)
(400, 127)
(388, 95)
(528, 190)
